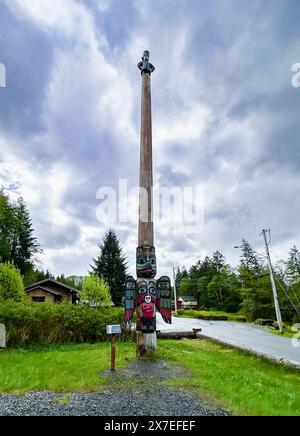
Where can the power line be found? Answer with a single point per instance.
(291, 301)
(290, 286)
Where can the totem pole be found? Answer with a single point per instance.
(146, 295)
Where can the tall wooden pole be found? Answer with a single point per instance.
(146, 227)
(146, 342)
(275, 295)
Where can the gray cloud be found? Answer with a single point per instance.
(224, 114)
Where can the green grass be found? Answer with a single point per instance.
(288, 332)
(202, 314)
(239, 382)
(59, 369)
(242, 383)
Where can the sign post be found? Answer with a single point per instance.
(112, 331)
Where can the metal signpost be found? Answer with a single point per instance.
(113, 331)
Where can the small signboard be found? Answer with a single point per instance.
(113, 329)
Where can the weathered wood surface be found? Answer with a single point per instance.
(146, 229)
(2, 336)
(178, 335)
(146, 344)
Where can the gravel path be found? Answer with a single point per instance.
(136, 391)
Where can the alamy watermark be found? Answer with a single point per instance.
(296, 75)
(2, 76)
(179, 208)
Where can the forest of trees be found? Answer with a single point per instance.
(18, 247)
(215, 284)
(245, 289)
(18, 244)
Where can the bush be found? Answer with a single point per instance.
(11, 283)
(31, 324)
(95, 291)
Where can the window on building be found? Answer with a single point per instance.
(38, 299)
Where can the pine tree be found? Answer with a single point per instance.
(218, 261)
(293, 266)
(181, 274)
(250, 264)
(17, 243)
(25, 244)
(7, 226)
(111, 266)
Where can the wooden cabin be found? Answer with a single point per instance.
(51, 291)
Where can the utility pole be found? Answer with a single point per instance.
(175, 290)
(276, 302)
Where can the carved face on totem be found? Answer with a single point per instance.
(146, 56)
(146, 262)
(146, 306)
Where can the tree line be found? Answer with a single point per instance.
(19, 246)
(212, 281)
(218, 286)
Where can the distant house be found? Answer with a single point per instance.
(187, 303)
(51, 291)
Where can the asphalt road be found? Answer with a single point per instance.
(249, 337)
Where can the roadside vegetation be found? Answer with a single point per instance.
(30, 324)
(246, 290)
(289, 332)
(211, 315)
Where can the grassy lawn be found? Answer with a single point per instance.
(204, 314)
(239, 382)
(60, 369)
(242, 383)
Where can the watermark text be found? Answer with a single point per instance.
(2, 76)
(180, 208)
(296, 75)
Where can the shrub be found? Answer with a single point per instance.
(11, 283)
(95, 291)
(31, 324)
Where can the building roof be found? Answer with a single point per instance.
(44, 284)
(50, 291)
(188, 299)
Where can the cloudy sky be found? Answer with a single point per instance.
(225, 115)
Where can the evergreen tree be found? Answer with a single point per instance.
(181, 274)
(218, 261)
(250, 265)
(111, 266)
(35, 275)
(257, 297)
(17, 243)
(25, 244)
(293, 266)
(73, 281)
(224, 291)
(7, 227)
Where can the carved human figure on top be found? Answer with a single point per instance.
(145, 66)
